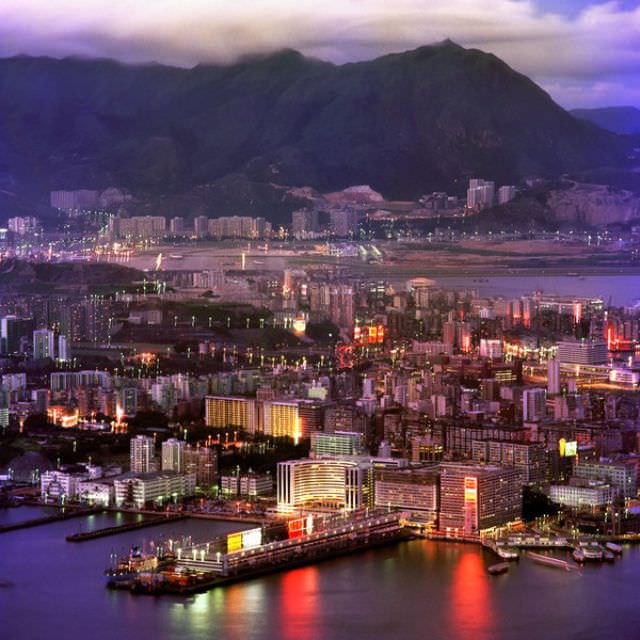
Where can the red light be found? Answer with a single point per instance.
(296, 528)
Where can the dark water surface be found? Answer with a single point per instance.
(51, 589)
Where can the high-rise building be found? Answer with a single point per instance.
(63, 349)
(506, 193)
(413, 490)
(533, 405)
(202, 462)
(329, 483)
(582, 352)
(201, 226)
(173, 452)
(281, 418)
(142, 454)
(338, 443)
(43, 344)
(176, 226)
(553, 377)
(344, 222)
(304, 223)
(477, 497)
(12, 331)
(233, 412)
(480, 194)
(620, 474)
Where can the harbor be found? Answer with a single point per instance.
(244, 555)
(447, 583)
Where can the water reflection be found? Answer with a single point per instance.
(471, 613)
(299, 604)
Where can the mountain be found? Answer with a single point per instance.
(405, 124)
(623, 120)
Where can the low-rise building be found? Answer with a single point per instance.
(156, 487)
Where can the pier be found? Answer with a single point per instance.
(129, 526)
(204, 566)
(66, 515)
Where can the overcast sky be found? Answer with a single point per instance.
(584, 53)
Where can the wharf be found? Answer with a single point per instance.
(35, 522)
(129, 526)
(193, 576)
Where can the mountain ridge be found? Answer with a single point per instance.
(405, 123)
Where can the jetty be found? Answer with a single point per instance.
(66, 514)
(122, 528)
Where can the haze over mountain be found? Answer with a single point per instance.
(624, 120)
(404, 123)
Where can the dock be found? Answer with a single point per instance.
(66, 515)
(122, 528)
(201, 567)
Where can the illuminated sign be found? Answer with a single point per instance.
(299, 325)
(297, 528)
(373, 334)
(234, 542)
(251, 538)
(568, 449)
(571, 449)
(470, 503)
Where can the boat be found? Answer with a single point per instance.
(608, 556)
(497, 569)
(549, 561)
(578, 555)
(136, 563)
(507, 553)
(592, 552)
(614, 548)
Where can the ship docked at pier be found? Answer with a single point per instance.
(245, 554)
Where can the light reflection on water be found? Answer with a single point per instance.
(418, 589)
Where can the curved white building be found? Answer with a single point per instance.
(320, 483)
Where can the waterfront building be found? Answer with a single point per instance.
(582, 494)
(622, 475)
(96, 492)
(321, 483)
(412, 490)
(253, 485)
(528, 458)
(60, 485)
(478, 497)
(154, 488)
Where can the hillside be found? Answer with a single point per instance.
(405, 124)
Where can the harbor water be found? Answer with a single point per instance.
(53, 589)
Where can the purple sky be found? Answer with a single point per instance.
(584, 53)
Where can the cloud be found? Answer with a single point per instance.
(596, 47)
